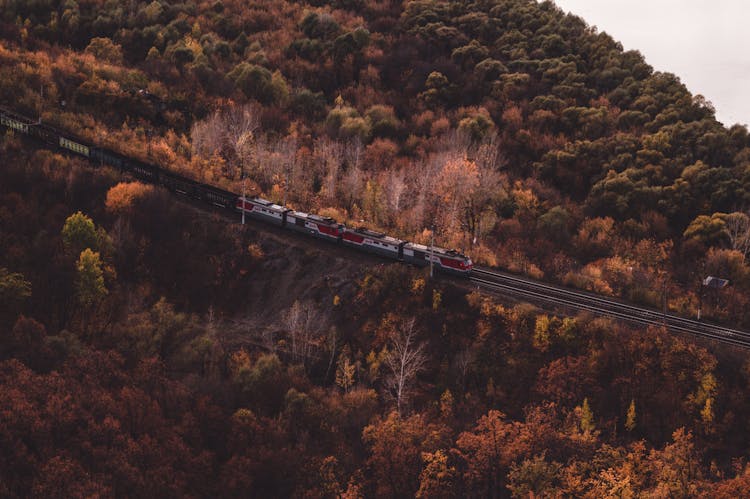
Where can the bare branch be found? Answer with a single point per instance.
(406, 358)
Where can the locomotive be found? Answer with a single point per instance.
(326, 228)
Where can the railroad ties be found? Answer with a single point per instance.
(579, 300)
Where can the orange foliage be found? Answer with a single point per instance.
(121, 197)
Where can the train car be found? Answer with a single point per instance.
(373, 242)
(142, 171)
(218, 197)
(179, 184)
(13, 123)
(103, 156)
(450, 261)
(262, 209)
(74, 146)
(315, 225)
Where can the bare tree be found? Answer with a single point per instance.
(405, 359)
(331, 155)
(352, 186)
(302, 323)
(229, 133)
(206, 136)
(395, 186)
(287, 152)
(738, 229)
(463, 361)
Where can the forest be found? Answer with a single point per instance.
(143, 353)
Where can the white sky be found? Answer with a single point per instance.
(706, 43)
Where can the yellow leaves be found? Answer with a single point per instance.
(551, 329)
(244, 417)
(475, 299)
(707, 413)
(446, 404)
(586, 417)
(90, 287)
(525, 198)
(345, 371)
(591, 278)
(437, 298)
(630, 418)
(338, 214)
(239, 362)
(437, 476)
(193, 45)
(541, 340)
(255, 251)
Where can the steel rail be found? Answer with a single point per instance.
(529, 288)
(684, 321)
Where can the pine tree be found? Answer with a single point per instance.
(630, 420)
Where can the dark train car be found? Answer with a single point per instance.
(218, 197)
(142, 171)
(106, 157)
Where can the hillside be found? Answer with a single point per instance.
(151, 349)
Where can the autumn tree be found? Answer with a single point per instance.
(14, 290)
(228, 132)
(535, 477)
(79, 233)
(677, 467)
(345, 371)
(630, 418)
(437, 479)
(105, 49)
(121, 197)
(709, 230)
(90, 288)
(586, 417)
(458, 180)
(395, 446)
(487, 451)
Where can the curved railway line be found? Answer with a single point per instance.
(538, 291)
(491, 280)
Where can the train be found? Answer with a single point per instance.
(325, 228)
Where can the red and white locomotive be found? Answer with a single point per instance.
(363, 239)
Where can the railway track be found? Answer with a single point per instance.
(537, 291)
(496, 281)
